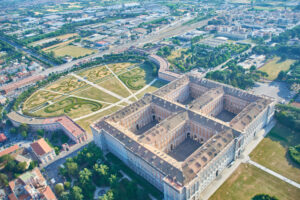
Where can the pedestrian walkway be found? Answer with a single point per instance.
(117, 103)
(100, 88)
(274, 173)
(121, 82)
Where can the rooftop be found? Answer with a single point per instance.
(41, 147)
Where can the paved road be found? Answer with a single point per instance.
(28, 51)
(170, 31)
(274, 173)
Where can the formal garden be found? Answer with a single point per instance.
(90, 173)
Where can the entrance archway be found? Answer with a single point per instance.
(172, 147)
(188, 135)
(153, 117)
(137, 127)
(217, 172)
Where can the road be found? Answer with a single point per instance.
(166, 32)
(28, 51)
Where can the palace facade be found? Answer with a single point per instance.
(182, 136)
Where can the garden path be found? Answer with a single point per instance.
(101, 88)
(121, 82)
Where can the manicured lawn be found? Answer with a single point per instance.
(117, 67)
(115, 86)
(71, 106)
(152, 88)
(137, 78)
(272, 152)
(66, 85)
(95, 74)
(95, 93)
(86, 122)
(248, 180)
(73, 51)
(38, 98)
(273, 67)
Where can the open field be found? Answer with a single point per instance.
(137, 78)
(94, 93)
(73, 51)
(247, 181)
(86, 122)
(152, 88)
(274, 66)
(85, 98)
(114, 85)
(95, 73)
(39, 98)
(272, 152)
(71, 106)
(117, 67)
(176, 54)
(61, 37)
(66, 84)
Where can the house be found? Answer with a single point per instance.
(30, 185)
(10, 150)
(43, 151)
(3, 138)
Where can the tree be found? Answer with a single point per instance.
(59, 189)
(24, 134)
(72, 168)
(3, 180)
(65, 196)
(22, 166)
(41, 132)
(252, 68)
(264, 197)
(101, 172)
(13, 131)
(67, 185)
(85, 176)
(113, 181)
(108, 196)
(76, 193)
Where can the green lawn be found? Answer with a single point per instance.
(115, 86)
(137, 78)
(71, 106)
(71, 50)
(86, 122)
(95, 93)
(272, 152)
(152, 88)
(274, 66)
(248, 180)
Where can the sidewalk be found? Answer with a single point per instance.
(214, 185)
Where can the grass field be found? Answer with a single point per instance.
(114, 85)
(71, 50)
(137, 78)
(75, 106)
(272, 152)
(95, 74)
(274, 66)
(71, 106)
(85, 123)
(38, 98)
(247, 181)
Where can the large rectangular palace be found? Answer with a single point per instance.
(181, 137)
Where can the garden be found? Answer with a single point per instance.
(90, 170)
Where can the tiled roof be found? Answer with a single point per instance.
(41, 147)
(9, 150)
(48, 194)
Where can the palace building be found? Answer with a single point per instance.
(182, 136)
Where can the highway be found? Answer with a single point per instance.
(171, 30)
